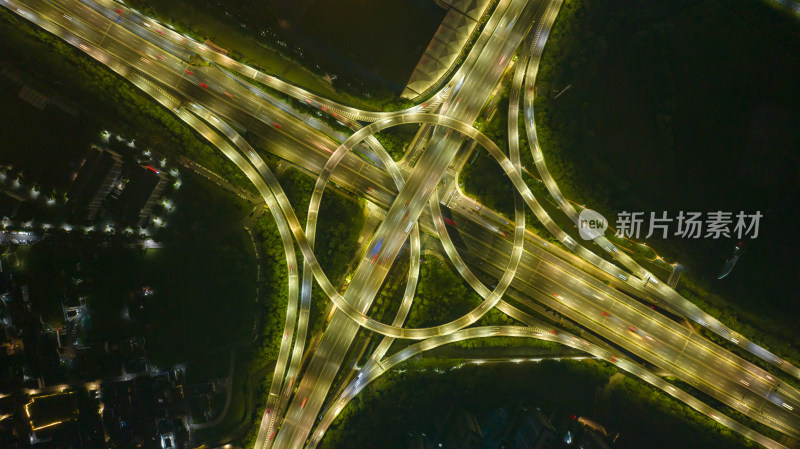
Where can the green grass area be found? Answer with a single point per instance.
(442, 295)
(686, 105)
(396, 139)
(419, 394)
(367, 46)
(482, 179)
(339, 224)
(387, 302)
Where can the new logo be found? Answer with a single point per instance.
(591, 224)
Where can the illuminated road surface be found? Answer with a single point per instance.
(720, 367)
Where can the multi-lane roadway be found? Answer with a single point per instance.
(155, 59)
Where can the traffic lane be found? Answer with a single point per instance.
(621, 314)
(666, 294)
(531, 254)
(771, 415)
(320, 375)
(527, 264)
(308, 149)
(429, 169)
(366, 275)
(751, 372)
(172, 75)
(147, 30)
(721, 387)
(121, 34)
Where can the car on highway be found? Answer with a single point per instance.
(375, 250)
(227, 94)
(202, 84)
(606, 314)
(276, 125)
(189, 72)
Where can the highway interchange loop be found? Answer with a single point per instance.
(221, 135)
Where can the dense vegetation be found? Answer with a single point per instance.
(396, 139)
(339, 224)
(442, 295)
(685, 105)
(431, 389)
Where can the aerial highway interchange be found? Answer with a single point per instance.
(582, 286)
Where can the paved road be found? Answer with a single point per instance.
(132, 58)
